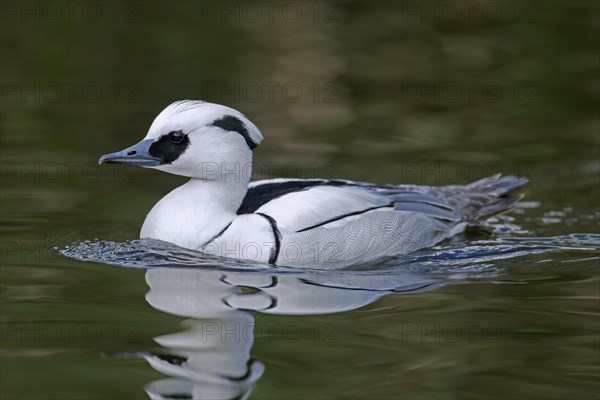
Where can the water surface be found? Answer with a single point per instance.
(509, 309)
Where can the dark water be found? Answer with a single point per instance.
(372, 91)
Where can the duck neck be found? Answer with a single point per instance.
(194, 213)
(215, 197)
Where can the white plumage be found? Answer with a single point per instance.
(290, 221)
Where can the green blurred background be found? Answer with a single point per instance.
(383, 91)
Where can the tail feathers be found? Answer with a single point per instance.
(497, 184)
(493, 195)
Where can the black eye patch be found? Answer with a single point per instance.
(233, 124)
(169, 147)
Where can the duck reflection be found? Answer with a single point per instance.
(211, 358)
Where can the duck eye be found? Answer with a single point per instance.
(176, 137)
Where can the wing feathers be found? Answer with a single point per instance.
(299, 205)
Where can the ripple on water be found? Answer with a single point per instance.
(480, 257)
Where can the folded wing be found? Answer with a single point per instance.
(299, 205)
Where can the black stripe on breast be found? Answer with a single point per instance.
(345, 216)
(218, 235)
(259, 195)
(277, 235)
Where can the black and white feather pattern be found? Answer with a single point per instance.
(298, 204)
(334, 222)
(292, 222)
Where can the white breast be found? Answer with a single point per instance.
(249, 237)
(189, 216)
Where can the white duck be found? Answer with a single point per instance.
(295, 222)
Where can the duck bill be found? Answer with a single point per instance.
(138, 154)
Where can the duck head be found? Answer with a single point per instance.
(194, 139)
